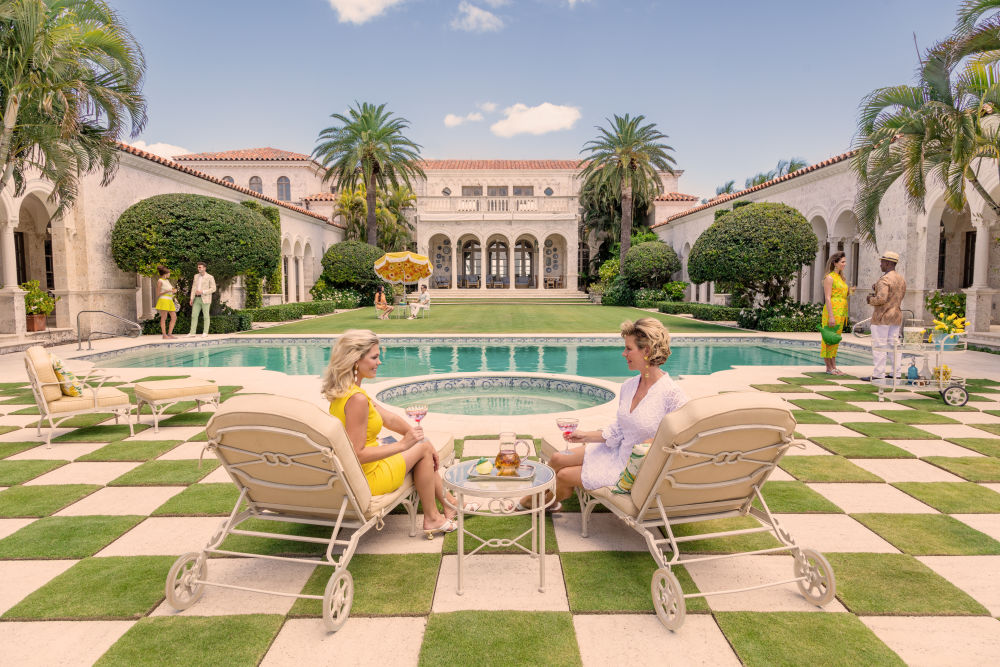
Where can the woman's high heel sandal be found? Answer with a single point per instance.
(449, 526)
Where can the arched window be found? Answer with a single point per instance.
(284, 189)
(257, 185)
(228, 179)
(497, 252)
(523, 256)
(583, 257)
(471, 260)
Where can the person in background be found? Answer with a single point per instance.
(381, 305)
(165, 302)
(202, 289)
(887, 317)
(423, 301)
(835, 292)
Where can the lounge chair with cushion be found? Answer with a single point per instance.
(292, 463)
(709, 460)
(59, 399)
(472, 280)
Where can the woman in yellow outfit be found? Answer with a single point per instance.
(355, 357)
(165, 302)
(835, 291)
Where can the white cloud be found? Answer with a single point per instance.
(159, 148)
(475, 19)
(497, 3)
(361, 11)
(546, 117)
(488, 107)
(572, 3)
(451, 120)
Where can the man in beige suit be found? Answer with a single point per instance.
(202, 289)
(887, 318)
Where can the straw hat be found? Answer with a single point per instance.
(890, 256)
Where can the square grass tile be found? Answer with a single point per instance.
(934, 405)
(972, 468)
(807, 417)
(953, 497)
(866, 387)
(507, 527)
(825, 469)
(914, 417)
(59, 537)
(30, 410)
(276, 546)
(23, 397)
(782, 388)
(34, 501)
(794, 497)
(590, 589)
(199, 437)
(823, 430)
(201, 500)
(731, 544)
(897, 584)
(989, 428)
(7, 386)
(823, 375)
(188, 419)
(16, 472)
(796, 638)
(930, 534)
(862, 448)
(101, 433)
(985, 446)
(805, 380)
(79, 421)
(11, 448)
(99, 588)
(384, 585)
(500, 639)
(825, 405)
(889, 431)
(935, 395)
(8, 428)
(850, 396)
(192, 640)
(131, 450)
(166, 473)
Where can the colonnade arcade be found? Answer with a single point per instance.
(524, 261)
(298, 270)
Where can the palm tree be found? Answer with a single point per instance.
(70, 84)
(624, 162)
(726, 188)
(368, 145)
(396, 232)
(758, 179)
(351, 207)
(788, 166)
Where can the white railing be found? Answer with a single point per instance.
(496, 204)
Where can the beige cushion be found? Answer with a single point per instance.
(162, 390)
(107, 397)
(41, 362)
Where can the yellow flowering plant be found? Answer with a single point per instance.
(949, 324)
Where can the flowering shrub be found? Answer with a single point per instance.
(950, 324)
(36, 300)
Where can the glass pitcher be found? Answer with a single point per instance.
(509, 457)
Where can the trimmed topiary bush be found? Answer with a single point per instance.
(650, 264)
(351, 265)
(700, 311)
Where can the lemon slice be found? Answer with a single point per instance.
(484, 468)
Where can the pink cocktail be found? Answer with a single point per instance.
(567, 425)
(416, 412)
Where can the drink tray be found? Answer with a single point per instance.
(524, 474)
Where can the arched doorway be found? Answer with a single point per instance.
(498, 262)
(34, 254)
(525, 263)
(471, 272)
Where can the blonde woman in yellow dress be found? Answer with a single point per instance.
(835, 292)
(165, 302)
(354, 359)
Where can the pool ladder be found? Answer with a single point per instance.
(134, 328)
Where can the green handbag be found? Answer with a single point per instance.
(829, 335)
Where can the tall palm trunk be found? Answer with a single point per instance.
(6, 136)
(971, 177)
(626, 228)
(372, 224)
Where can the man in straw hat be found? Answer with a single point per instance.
(887, 318)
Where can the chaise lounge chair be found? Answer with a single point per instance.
(709, 460)
(292, 463)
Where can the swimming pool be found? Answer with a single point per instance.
(408, 359)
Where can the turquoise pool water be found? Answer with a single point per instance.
(408, 360)
(499, 401)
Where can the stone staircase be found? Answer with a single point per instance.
(471, 296)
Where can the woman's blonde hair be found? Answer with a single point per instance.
(651, 337)
(347, 352)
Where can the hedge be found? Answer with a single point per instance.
(318, 307)
(789, 324)
(278, 313)
(220, 324)
(701, 311)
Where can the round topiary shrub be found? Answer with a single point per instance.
(351, 265)
(650, 264)
(757, 249)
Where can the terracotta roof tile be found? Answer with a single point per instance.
(321, 196)
(774, 181)
(218, 181)
(676, 196)
(266, 153)
(500, 164)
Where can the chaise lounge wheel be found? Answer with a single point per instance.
(184, 581)
(955, 395)
(337, 600)
(668, 599)
(818, 585)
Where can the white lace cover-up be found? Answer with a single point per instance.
(604, 461)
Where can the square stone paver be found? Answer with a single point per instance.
(113, 500)
(984, 523)
(906, 470)
(607, 533)
(84, 473)
(810, 449)
(29, 435)
(932, 641)
(494, 582)
(188, 450)
(282, 576)
(22, 577)
(395, 538)
(976, 575)
(217, 476)
(305, 641)
(54, 643)
(833, 533)
(640, 639)
(827, 430)
(743, 571)
(920, 448)
(952, 430)
(164, 536)
(974, 417)
(181, 433)
(58, 452)
(855, 417)
(858, 498)
(11, 526)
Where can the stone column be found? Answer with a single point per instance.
(12, 317)
(979, 297)
(146, 291)
(300, 276)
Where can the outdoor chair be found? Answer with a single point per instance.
(522, 282)
(54, 406)
(472, 280)
(292, 463)
(709, 460)
(440, 282)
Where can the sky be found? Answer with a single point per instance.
(736, 85)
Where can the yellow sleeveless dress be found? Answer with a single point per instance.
(166, 302)
(838, 295)
(384, 475)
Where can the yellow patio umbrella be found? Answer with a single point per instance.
(403, 267)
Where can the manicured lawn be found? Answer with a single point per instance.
(496, 318)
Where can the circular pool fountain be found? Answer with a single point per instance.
(497, 394)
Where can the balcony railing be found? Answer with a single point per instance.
(496, 204)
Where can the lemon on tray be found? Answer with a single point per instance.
(484, 468)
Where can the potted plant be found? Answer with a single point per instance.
(948, 330)
(596, 291)
(37, 305)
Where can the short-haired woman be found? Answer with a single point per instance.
(381, 305)
(643, 402)
(835, 293)
(355, 358)
(165, 302)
